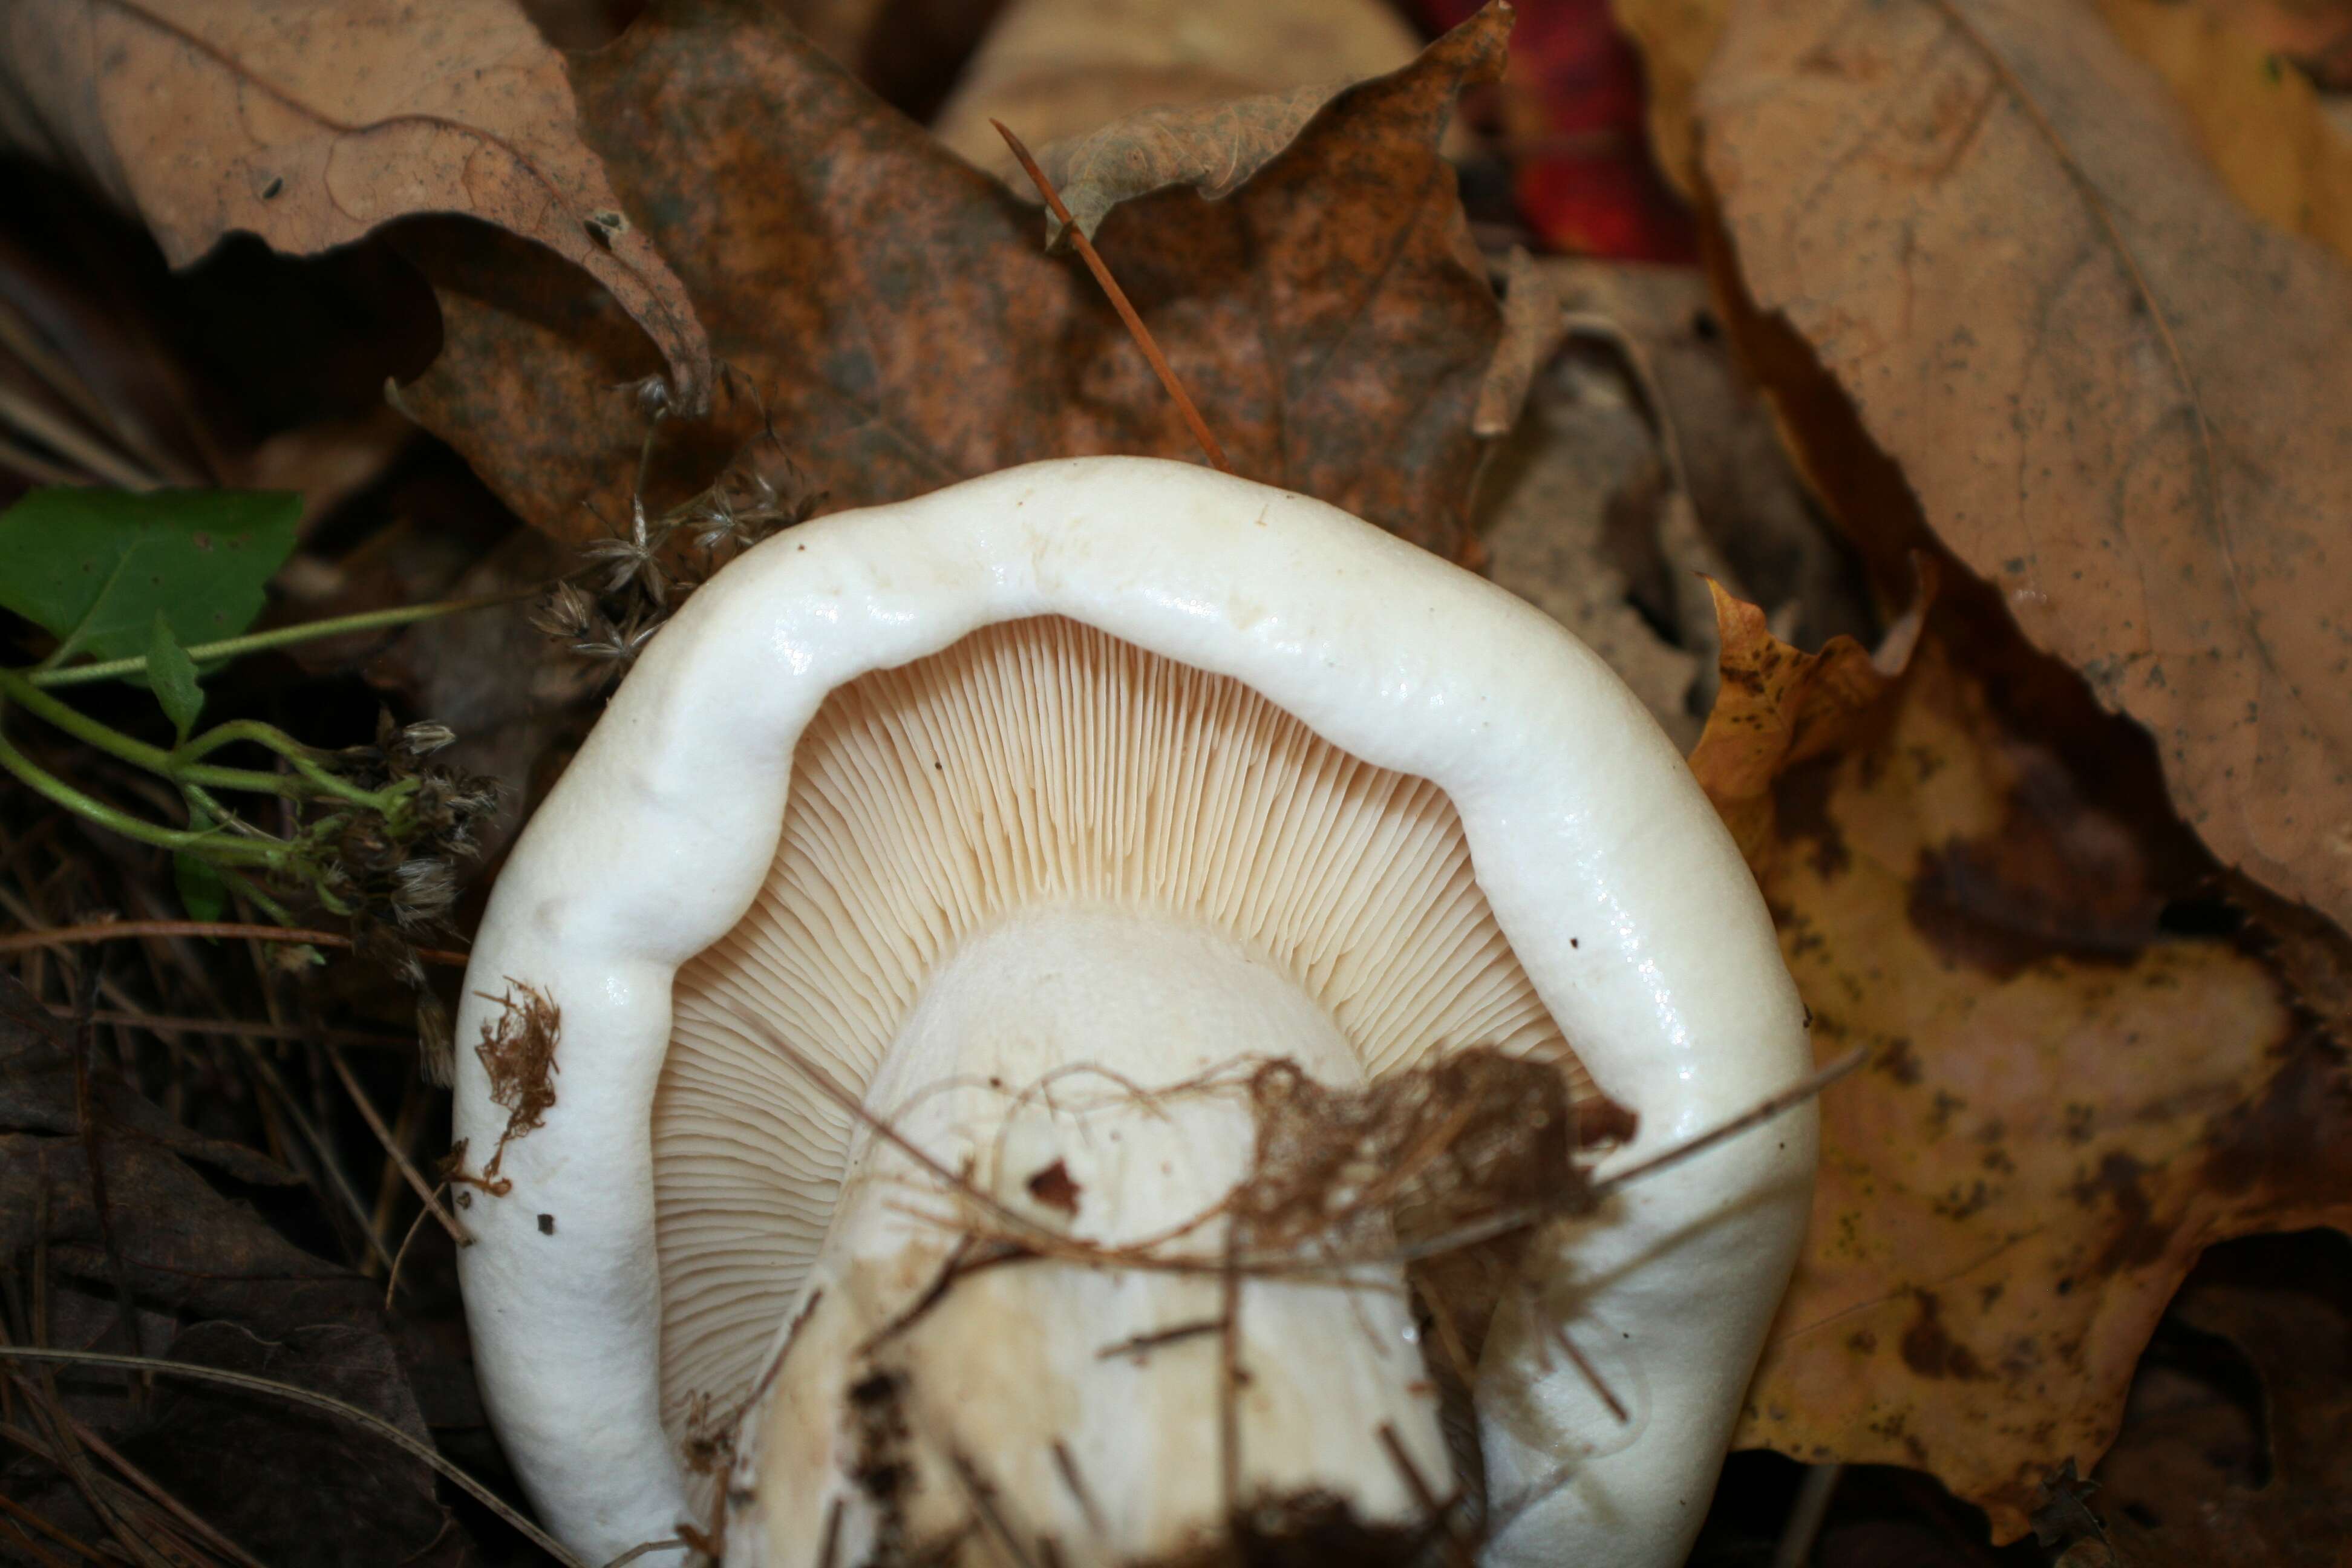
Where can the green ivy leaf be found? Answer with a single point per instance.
(171, 675)
(94, 568)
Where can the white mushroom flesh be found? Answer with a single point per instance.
(1040, 851)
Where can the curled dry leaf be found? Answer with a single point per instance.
(2114, 394)
(2066, 1104)
(311, 125)
(1213, 148)
(1058, 70)
(890, 308)
(1778, 707)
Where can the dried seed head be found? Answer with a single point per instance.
(566, 612)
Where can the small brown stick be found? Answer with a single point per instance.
(1441, 1513)
(1216, 454)
(832, 1534)
(19, 1511)
(162, 1498)
(1229, 1382)
(1067, 1463)
(1592, 1374)
(1140, 1345)
(392, 1151)
(982, 1498)
(115, 930)
(392, 1275)
(1787, 1100)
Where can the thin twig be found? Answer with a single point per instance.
(10, 1506)
(173, 1024)
(321, 1147)
(1067, 1464)
(1201, 432)
(1805, 1515)
(423, 1452)
(392, 1151)
(116, 930)
(1787, 1100)
(392, 1275)
(1440, 1512)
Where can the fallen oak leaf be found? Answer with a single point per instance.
(313, 125)
(2128, 427)
(1331, 317)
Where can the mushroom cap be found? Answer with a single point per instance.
(1617, 888)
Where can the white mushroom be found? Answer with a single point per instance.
(1103, 774)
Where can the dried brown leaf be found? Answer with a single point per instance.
(891, 309)
(2197, 1478)
(2262, 125)
(2115, 396)
(1531, 330)
(1213, 148)
(312, 125)
(1545, 517)
(1061, 69)
(2066, 1106)
(1778, 707)
(116, 1212)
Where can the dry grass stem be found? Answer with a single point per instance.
(1159, 366)
(425, 1453)
(392, 1151)
(118, 930)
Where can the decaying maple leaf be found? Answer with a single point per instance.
(2067, 1105)
(888, 307)
(2115, 394)
(312, 125)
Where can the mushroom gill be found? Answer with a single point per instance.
(1035, 762)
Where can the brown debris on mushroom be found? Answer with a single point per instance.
(517, 1051)
(1423, 1154)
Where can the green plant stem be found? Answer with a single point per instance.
(282, 636)
(302, 758)
(179, 765)
(211, 843)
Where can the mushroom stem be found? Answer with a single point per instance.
(948, 1378)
